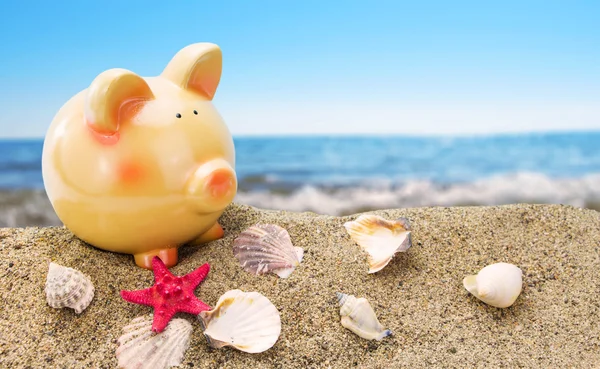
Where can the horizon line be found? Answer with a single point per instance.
(549, 132)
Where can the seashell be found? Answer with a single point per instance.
(267, 248)
(141, 348)
(247, 321)
(380, 238)
(68, 287)
(359, 317)
(498, 284)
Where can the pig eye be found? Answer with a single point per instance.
(195, 112)
(178, 115)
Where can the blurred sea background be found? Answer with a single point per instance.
(338, 175)
(335, 107)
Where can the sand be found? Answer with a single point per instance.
(419, 295)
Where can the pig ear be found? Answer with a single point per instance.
(196, 67)
(108, 94)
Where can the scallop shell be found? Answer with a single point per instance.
(67, 287)
(140, 348)
(359, 317)
(267, 248)
(247, 321)
(497, 284)
(380, 238)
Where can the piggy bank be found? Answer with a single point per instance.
(143, 165)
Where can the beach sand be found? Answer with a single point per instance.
(419, 295)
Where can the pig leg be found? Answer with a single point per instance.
(168, 256)
(214, 233)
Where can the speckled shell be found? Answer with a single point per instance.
(67, 287)
(267, 248)
(247, 321)
(140, 348)
(497, 284)
(380, 238)
(359, 317)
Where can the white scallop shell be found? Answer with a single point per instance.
(67, 287)
(359, 317)
(140, 348)
(247, 321)
(267, 248)
(497, 284)
(380, 238)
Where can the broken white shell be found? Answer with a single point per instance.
(247, 321)
(359, 317)
(497, 284)
(68, 287)
(267, 248)
(140, 348)
(380, 238)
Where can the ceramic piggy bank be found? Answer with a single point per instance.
(143, 165)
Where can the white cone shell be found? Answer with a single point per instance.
(359, 317)
(267, 248)
(67, 287)
(247, 321)
(497, 284)
(140, 348)
(380, 238)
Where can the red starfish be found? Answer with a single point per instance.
(170, 294)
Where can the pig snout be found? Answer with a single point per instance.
(212, 186)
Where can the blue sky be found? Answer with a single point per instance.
(313, 67)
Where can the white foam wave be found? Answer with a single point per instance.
(32, 208)
(497, 190)
(23, 208)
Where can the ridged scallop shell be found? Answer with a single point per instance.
(68, 287)
(140, 348)
(247, 321)
(497, 284)
(267, 248)
(380, 238)
(359, 317)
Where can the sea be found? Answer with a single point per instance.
(340, 175)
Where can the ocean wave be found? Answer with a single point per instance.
(497, 190)
(25, 208)
(22, 208)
